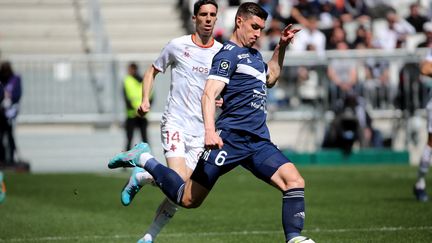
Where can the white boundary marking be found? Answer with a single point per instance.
(205, 234)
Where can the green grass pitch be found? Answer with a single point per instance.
(343, 204)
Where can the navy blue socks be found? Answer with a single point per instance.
(293, 212)
(166, 179)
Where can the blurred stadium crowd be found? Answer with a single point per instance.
(380, 24)
(340, 25)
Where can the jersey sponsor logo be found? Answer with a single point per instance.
(244, 55)
(204, 70)
(260, 104)
(263, 93)
(224, 66)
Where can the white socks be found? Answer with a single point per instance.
(164, 213)
(143, 159)
(144, 178)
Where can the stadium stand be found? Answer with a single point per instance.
(64, 26)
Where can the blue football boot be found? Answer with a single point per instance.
(129, 158)
(131, 187)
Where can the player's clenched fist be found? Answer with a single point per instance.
(144, 108)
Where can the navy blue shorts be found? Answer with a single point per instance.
(257, 155)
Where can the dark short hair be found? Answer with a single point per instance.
(249, 9)
(200, 3)
(133, 65)
(6, 71)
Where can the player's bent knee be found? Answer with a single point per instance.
(287, 177)
(298, 182)
(194, 195)
(189, 202)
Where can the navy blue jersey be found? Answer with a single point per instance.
(245, 94)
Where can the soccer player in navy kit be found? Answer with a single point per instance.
(240, 136)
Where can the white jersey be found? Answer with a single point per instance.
(190, 65)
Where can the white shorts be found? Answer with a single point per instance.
(429, 115)
(176, 143)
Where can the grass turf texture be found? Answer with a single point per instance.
(344, 204)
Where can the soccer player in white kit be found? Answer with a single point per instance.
(425, 160)
(182, 128)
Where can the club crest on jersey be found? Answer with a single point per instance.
(224, 66)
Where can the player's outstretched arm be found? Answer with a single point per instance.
(211, 90)
(149, 77)
(276, 62)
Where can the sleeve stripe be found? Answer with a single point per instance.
(225, 80)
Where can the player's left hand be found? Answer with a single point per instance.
(287, 35)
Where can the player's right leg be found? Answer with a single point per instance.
(425, 160)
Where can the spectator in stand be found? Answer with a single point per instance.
(301, 11)
(311, 35)
(352, 123)
(270, 6)
(272, 35)
(378, 8)
(394, 36)
(415, 18)
(329, 18)
(377, 84)
(427, 28)
(343, 76)
(363, 39)
(353, 10)
(338, 35)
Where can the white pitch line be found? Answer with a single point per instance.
(205, 234)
